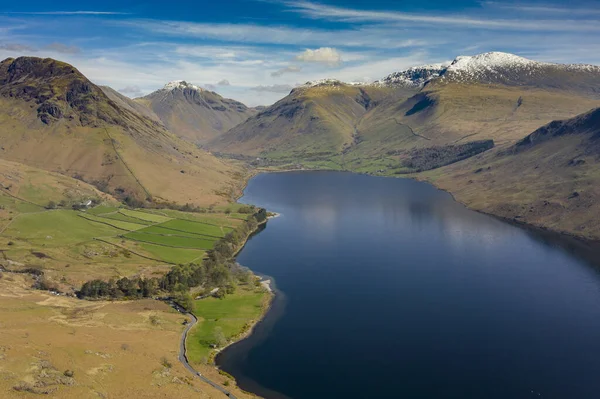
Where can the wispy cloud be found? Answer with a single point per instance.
(333, 13)
(538, 8)
(370, 36)
(63, 48)
(274, 88)
(65, 13)
(287, 69)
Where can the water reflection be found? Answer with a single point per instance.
(393, 289)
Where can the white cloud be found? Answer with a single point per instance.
(131, 91)
(323, 55)
(223, 82)
(287, 69)
(274, 88)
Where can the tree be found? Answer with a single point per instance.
(219, 336)
(185, 300)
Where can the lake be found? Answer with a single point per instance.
(390, 288)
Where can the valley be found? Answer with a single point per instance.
(108, 202)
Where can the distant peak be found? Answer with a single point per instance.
(491, 59)
(323, 82)
(181, 84)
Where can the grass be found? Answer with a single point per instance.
(233, 314)
(120, 216)
(208, 218)
(157, 229)
(43, 227)
(196, 228)
(119, 224)
(96, 341)
(172, 241)
(149, 217)
(160, 252)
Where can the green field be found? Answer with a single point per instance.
(233, 314)
(149, 217)
(119, 224)
(55, 228)
(196, 227)
(102, 234)
(124, 218)
(172, 241)
(158, 229)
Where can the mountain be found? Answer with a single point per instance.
(129, 104)
(472, 99)
(53, 118)
(193, 113)
(548, 179)
(316, 119)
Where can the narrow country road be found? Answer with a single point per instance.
(183, 358)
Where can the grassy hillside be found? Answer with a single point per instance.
(312, 122)
(550, 178)
(53, 118)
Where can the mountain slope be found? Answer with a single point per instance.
(129, 104)
(193, 113)
(315, 120)
(550, 178)
(52, 117)
(492, 96)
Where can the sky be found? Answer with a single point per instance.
(256, 51)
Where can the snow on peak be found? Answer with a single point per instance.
(490, 61)
(181, 84)
(414, 76)
(323, 82)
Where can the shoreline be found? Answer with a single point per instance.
(266, 306)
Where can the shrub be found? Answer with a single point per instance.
(165, 362)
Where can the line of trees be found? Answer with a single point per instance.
(217, 270)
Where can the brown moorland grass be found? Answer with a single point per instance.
(69, 348)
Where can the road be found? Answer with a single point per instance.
(183, 358)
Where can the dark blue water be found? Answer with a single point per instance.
(391, 289)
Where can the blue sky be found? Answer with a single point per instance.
(257, 50)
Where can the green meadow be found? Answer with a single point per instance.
(106, 235)
(223, 320)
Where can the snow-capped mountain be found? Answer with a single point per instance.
(194, 113)
(498, 68)
(414, 76)
(181, 84)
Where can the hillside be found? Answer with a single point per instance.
(315, 120)
(550, 178)
(52, 117)
(193, 113)
(129, 104)
(492, 96)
